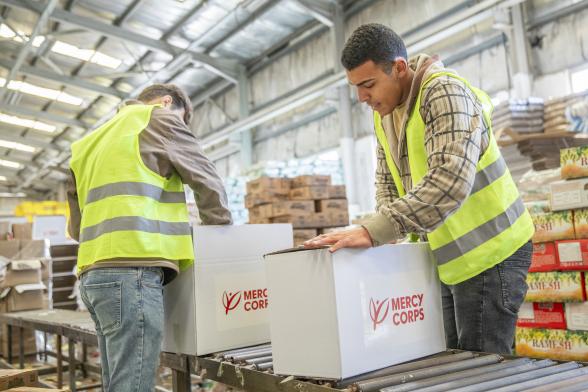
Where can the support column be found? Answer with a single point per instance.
(246, 138)
(346, 142)
(522, 76)
(61, 192)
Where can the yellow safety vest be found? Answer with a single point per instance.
(128, 211)
(490, 225)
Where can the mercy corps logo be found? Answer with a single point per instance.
(399, 310)
(250, 300)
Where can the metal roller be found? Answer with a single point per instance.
(407, 367)
(508, 382)
(513, 366)
(382, 382)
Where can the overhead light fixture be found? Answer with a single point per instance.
(11, 164)
(48, 93)
(17, 146)
(8, 194)
(23, 122)
(64, 48)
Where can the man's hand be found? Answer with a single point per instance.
(354, 238)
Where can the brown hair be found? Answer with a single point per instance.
(179, 97)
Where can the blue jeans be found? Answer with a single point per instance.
(126, 305)
(480, 314)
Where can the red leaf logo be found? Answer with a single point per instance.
(376, 311)
(231, 300)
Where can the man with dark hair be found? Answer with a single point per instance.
(128, 212)
(440, 173)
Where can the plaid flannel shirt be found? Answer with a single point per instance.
(456, 135)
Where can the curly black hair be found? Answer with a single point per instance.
(373, 41)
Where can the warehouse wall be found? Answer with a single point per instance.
(564, 45)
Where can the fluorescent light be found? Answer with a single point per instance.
(14, 165)
(64, 48)
(85, 54)
(17, 146)
(105, 60)
(7, 194)
(23, 122)
(48, 93)
(72, 51)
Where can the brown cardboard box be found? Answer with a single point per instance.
(32, 249)
(301, 235)
(13, 299)
(5, 232)
(310, 193)
(335, 206)
(253, 200)
(295, 207)
(337, 192)
(22, 231)
(316, 220)
(339, 219)
(272, 185)
(10, 248)
(304, 181)
(257, 212)
(302, 221)
(10, 378)
(259, 221)
(22, 272)
(29, 339)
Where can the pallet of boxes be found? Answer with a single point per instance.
(553, 323)
(310, 203)
(24, 266)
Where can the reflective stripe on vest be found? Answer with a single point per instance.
(134, 223)
(490, 225)
(135, 189)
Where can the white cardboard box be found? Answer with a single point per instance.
(577, 316)
(339, 315)
(220, 303)
(569, 194)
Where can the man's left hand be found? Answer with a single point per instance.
(353, 238)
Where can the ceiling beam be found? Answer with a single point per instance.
(26, 48)
(259, 12)
(41, 115)
(67, 80)
(223, 67)
(320, 12)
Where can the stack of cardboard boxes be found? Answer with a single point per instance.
(554, 321)
(24, 266)
(310, 203)
(522, 116)
(555, 113)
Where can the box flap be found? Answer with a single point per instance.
(5, 292)
(28, 264)
(297, 249)
(29, 287)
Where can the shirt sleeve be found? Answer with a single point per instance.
(195, 169)
(453, 129)
(75, 215)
